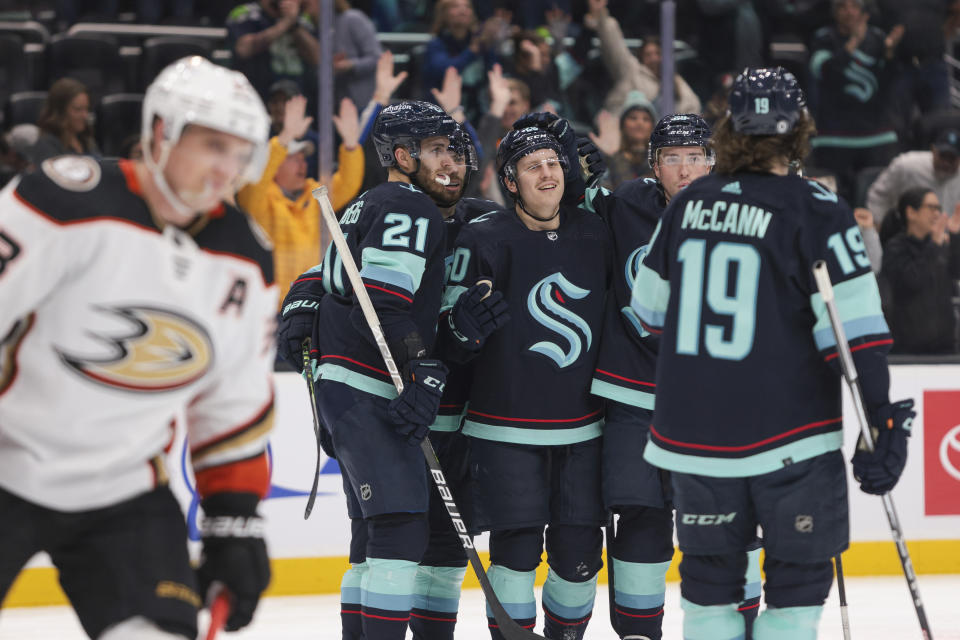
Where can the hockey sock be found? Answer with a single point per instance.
(750, 606)
(641, 552)
(567, 606)
(515, 590)
(639, 590)
(436, 600)
(350, 617)
(714, 622)
(386, 595)
(787, 623)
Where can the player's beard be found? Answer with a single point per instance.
(440, 194)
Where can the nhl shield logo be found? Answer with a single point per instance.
(804, 524)
(551, 235)
(365, 492)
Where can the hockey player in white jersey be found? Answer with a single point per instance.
(133, 294)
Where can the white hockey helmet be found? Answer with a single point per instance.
(194, 90)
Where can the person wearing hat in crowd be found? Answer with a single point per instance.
(624, 142)
(281, 201)
(936, 169)
(851, 66)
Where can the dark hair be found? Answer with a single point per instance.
(53, 116)
(742, 152)
(913, 198)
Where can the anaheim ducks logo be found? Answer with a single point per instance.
(162, 351)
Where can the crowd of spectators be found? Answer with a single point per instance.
(877, 79)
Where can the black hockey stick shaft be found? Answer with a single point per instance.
(508, 627)
(842, 592)
(822, 277)
(308, 376)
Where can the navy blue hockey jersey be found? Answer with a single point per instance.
(457, 388)
(626, 366)
(397, 239)
(745, 384)
(531, 379)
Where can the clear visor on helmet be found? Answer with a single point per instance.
(673, 157)
(541, 163)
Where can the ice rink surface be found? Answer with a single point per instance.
(879, 608)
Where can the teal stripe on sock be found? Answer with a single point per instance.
(438, 588)
(787, 623)
(388, 584)
(569, 600)
(350, 583)
(716, 622)
(515, 590)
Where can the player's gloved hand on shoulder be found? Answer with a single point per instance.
(234, 554)
(878, 472)
(477, 313)
(414, 410)
(297, 318)
(592, 160)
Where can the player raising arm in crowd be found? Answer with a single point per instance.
(131, 294)
(748, 414)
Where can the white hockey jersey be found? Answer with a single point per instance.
(112, 324)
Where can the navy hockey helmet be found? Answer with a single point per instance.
(407, 123)
(679, 130)
(521, 142)
(766, 102)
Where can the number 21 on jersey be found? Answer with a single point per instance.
(397, 232)
(726, 278)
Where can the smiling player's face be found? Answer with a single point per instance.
(539, 179)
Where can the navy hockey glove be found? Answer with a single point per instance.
(477, 313)
(591, 159)
(414, 410)
(296, 323)
(879, 471)
(234, 554)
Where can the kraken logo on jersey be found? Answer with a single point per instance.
(630, 270)
(546, 303)
(161, 351)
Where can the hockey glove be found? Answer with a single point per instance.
(592, 160)
(414, 410)
(879, 471)
(296, 323)
(477, 313)
(234, 554)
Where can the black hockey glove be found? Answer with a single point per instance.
(414, 410)
(879, 471)
(297, 319)
(592, 160)
(234, 554)
(477, 313)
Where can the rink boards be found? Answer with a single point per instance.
(309, 556)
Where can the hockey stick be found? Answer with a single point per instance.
(822, 277)
(308, 376)
(842, 592)
(219, 612)
(508, 627)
